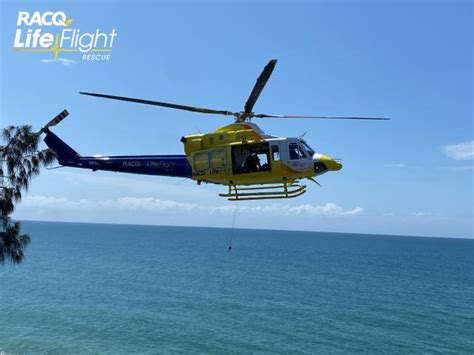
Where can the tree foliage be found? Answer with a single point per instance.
(20, 161)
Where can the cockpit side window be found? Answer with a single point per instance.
(294, 151)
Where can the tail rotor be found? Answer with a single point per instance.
(56, 120)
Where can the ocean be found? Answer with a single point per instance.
(97, 288)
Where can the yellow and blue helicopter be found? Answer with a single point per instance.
(252, 164)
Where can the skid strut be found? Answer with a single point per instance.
(272, 191)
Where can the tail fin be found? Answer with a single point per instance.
(62, 150)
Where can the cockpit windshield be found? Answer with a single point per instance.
(308, 148)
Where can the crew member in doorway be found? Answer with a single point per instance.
(252, 163)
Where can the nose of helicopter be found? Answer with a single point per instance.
(323, 163)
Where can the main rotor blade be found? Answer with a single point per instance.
(259, 85)
(323, 117)
(162, 104)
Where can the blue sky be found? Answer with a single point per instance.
(411, 61)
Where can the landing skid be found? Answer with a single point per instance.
(245, 193)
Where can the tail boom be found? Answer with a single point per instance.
(164, 165)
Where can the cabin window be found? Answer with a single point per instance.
(218, 158)
(251, 158)
(201, 161)
(275, 153)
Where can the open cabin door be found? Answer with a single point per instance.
(251, 158)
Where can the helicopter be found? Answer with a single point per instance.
(253, 165)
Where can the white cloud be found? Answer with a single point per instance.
(421, 214)
(461, 168)
(155, 205)
(325, 210)
(395, 165)
(62, 61)
(460, 151)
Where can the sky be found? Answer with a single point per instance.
(407, 60)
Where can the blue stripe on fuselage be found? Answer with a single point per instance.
(166, 165)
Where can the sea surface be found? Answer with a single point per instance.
(96, 288)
